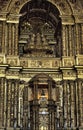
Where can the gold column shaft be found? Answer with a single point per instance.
(3, 36)
(2, 102)
(82, 38)
(72, 104)
(5, 99)
(16, 39)
(13, 39)
(12, 36)
(61, 104)
(9, 39)
(67, 40)
(73, 41)
(70, 41)
(6, 39)
(64, 39)
(1, 29)
(20, 104)
(77, 39)
(8, 102)
(65, 103)
(16, 100)
(68, 105)
(80, 103)
(77, 104)
(17, 107)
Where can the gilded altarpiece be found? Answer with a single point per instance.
(41, 66)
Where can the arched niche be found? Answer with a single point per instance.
(40, 30)
(42, 85)
(41, 102)
(15, 13)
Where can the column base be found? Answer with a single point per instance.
(1, 128)
(11, 128)
(80, 128)
(70, 128)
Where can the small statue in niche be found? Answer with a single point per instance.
(43, 92)
(32, 39)
(38, 39)
(44, 40)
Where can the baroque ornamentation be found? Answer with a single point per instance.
(47, 79)
(68, 61)
(13, 61)
(69, 74)
(1, 59)
(12, 74)
(17, 5)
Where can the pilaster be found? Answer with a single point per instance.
(5, 100)
(80, 105)
(76, 104)
(72, 103)
(3, 36)
(2, 32)
(65, 104)
(16, 39)
(12, 34)
(64, 39)
(67, 25)
(82, 38)
(1, 26)
(77, 26)
(1, 102)
(8, 103)
(70, 40)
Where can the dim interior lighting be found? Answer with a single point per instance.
(42, 93)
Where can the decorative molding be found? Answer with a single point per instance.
(12, 60)
(67, 19)
(63, 7)
(68, 73)
(68, 61)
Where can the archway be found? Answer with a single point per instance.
(38, 104)
(40, 30)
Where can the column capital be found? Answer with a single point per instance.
(3, 16)
(13, 18)
(67, 19)
(78, 18)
